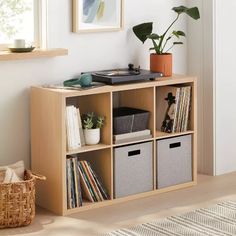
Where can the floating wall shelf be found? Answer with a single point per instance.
(39, 53)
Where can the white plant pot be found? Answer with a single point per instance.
(92, 136)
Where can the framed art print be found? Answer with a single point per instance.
(97, 15)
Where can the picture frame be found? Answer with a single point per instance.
(97, 15)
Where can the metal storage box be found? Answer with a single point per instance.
(127, 120)
(133, 170)
(174, 161)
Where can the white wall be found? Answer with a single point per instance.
(216, 39)
(86, 52)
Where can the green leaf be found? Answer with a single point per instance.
(178, 33)
(143, 30)
(153, 36)
(192, 12)
(180, 9)
(176, 43)
(181, 33)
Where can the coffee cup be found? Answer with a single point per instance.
(19, 43)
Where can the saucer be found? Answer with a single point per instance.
(19, 50)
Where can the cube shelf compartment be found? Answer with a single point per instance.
(48, 136)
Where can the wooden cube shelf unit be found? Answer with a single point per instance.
(48, 136)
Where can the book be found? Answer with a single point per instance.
(77, 140)
(88, 184)
(180, 111)
(91, 186)
(85, 190)
(92, 181)
(78, 198)
(74, 195)
(73, 129)
(188, 105)
(102, 189)
(73, 199)
(81, 132)
(177, 104)
(131, 135)
(68, 180)
(128, 140)
(69, 129)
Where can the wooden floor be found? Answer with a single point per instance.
(209, 190)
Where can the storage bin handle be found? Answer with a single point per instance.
(134, 153)
(175, 145)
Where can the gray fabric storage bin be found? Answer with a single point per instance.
(127, 120)
(174, 161)
(133, 170)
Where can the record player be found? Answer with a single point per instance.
(119, 76)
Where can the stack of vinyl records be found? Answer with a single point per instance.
(92, 188)
(174, 103)
(82, 183)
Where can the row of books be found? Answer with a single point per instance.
(82, 183)
(75, 135)
(176, 102)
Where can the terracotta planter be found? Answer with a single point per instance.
(161, 63)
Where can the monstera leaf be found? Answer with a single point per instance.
(142, 31)
(192, 12)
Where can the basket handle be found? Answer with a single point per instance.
(38, 176)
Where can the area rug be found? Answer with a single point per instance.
(217, 220)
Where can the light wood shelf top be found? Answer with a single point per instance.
(162, 135)
(88, 149)
(38, 53)
(175, 79)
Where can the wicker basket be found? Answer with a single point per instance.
(17, 201)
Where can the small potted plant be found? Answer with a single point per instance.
(161, 59)
(92, 125)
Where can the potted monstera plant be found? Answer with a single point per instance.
(161, 59)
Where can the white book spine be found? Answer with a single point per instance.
(68, 129)
(76, 128)
(72, 128)
(81, 132)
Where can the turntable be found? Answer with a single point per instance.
(119, 76)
